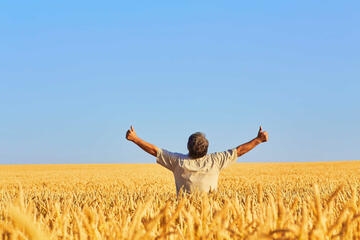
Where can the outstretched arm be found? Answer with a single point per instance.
(147, 147)
(246, 147)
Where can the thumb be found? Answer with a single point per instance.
(131, 128)
(260, 129)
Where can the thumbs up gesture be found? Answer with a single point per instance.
(131, 134)
(262, 135)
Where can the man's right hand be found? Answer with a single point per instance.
(262, 135)
(131, 134)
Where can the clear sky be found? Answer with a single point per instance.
(74, 75)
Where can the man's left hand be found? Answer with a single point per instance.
(131, 134)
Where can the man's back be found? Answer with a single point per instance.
(200, 174)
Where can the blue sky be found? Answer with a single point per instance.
(74, 75)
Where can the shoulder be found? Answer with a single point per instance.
(226, 153)
(169, 154)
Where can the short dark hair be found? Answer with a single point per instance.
(197, 145)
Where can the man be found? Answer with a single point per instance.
(197, 170)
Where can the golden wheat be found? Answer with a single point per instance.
(138, 201)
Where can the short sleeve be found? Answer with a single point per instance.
(166, 159)
(224, 159)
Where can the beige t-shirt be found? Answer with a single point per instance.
(200, 174)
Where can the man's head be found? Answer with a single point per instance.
(197, 145)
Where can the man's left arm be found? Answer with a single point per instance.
(146, 146)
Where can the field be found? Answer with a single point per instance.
(138, 201)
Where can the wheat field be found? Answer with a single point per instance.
(138, 201)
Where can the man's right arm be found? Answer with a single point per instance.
(146, 146)
(246, 147)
